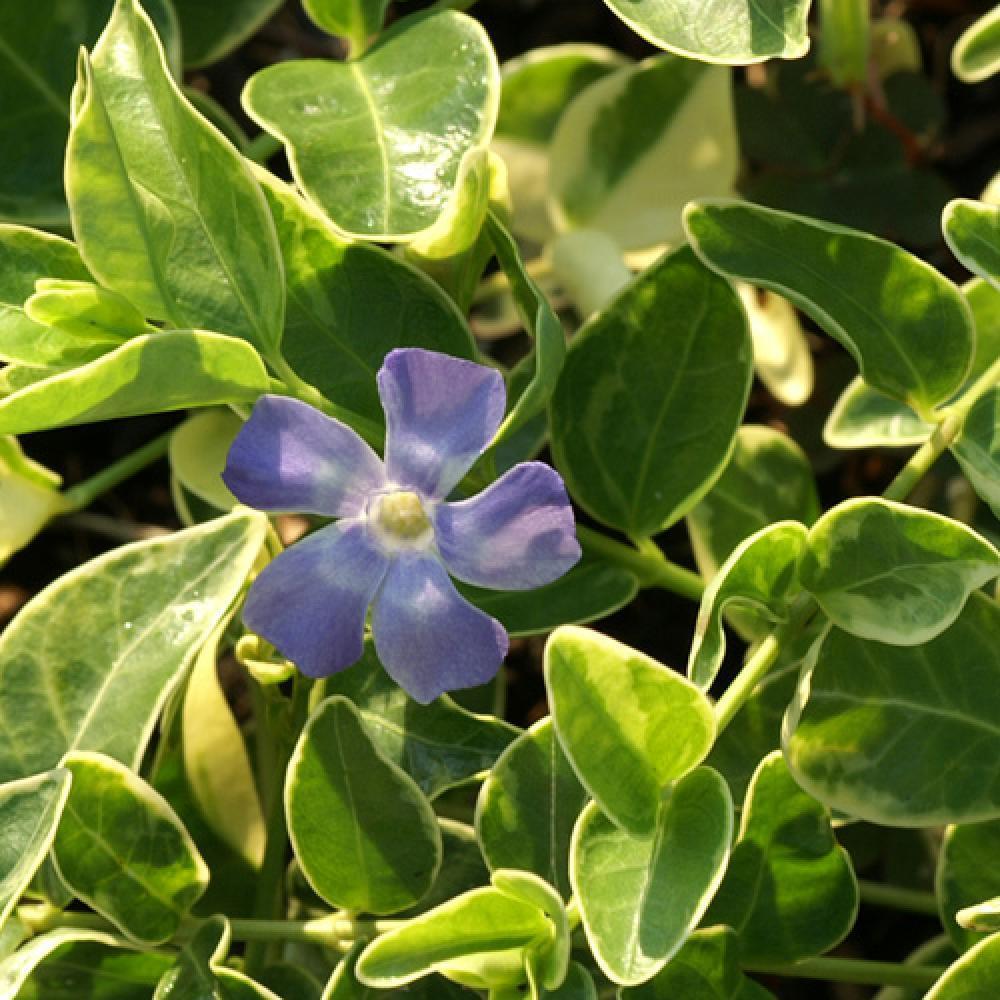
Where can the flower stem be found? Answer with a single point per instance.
(84, 494)
(648, 563)
(857, 970)
(896, 897)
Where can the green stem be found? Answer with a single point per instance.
(84, 494)
(895, 897)
(647, 562)
(857, 970)
(262, 147)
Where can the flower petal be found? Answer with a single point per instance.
(310, 603)
(289, 456)
(441, 413)
(428, 637)
(516, 535)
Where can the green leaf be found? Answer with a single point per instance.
(591, 589)
(541, 323)
(634, 147)
(149, 374)
(198, 451)
(70, 963)
(863, 417)
(482, 923)
(30, 810)
(907, 327)
(936, 951)
(897, 574)
(972, 230)
(978, 448)
(768, 479)
(38, 53)
(790, 891)
(579, 985)
(90, 661)
(355, 20)
(462, 867)
(983, 916)
(85, 311)
(735, 33)
(966, 875)
(975, 976)
(27, 256)
(344, 985)
(29, 498)
(378, 142)
(212, 31)
(440, 745)
(350, 303)
(164, 209)
(216, 762)
(903, 736)
(124, 852)
(976, 55)
(346, 804)
(629, 725)
(528, 805)
(706, 968)
(782, 358)
(641, 897)
(652, 392)
(760, 573)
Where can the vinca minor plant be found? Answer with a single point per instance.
(457, 361)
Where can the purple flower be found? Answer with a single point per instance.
(397, 538)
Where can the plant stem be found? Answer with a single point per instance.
(84, 494)
(895, 897)
(857, 970)
(262, 147)
(647, 562)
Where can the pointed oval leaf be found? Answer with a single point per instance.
(882, 570)
(629, 725)
(976, 55)
(198, 451)
(641, 897)
(635, 146)
(978, 448)
(863, 417)
(528, 806)
(735, 34)
(972, 229)
(164, 208)
(122, 849)
(907, 327)
(781, 355)
(90, 661)
(355, 20)
(975, 976)
(760, 573)
(212, 31)
(378, 142)
(149, 374)
(344, 985)
(346, 804)
(790, 891)
(966, 875)
(903, 736)
(652, 392)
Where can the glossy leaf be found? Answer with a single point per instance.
(972, 229)
(355, 20)
(528, 806)
(378, 142)
(652, 392)
(635, 146)
(30, 810)
(865, 418)
(629, 725)
(978, 448)
(706, 968)
(90, 661)
(882, 570)
(735, 33)
(164, 209)
(641, 897)
(123, 851)
(903, 736)
(907, 327)
(149, 374)
(462, 868)
(440, 745)
(216, 762)
(350, 303)
(966, 875)
(976, 55)
(789, 891)
(975, 975)
(760, 573)
(29, 498)
(85, 310)
(346, 804)
(781, 355)
(198, 451)
(484, 922)
(212, 31)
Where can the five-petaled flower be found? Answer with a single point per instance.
(397, 538)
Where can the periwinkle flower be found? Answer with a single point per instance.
(398, 538)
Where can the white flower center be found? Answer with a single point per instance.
(401, 520)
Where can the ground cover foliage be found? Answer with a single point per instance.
(352, 347)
